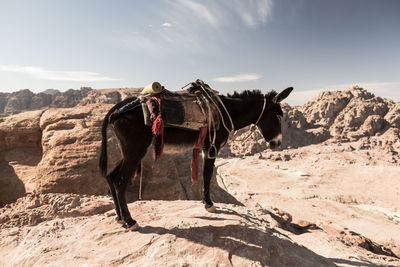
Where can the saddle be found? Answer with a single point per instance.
(188, 109)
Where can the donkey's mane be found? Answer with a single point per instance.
(246, 94)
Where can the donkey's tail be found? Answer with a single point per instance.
(103, 153)
(111, 116)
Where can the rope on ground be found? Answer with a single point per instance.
(141, 178)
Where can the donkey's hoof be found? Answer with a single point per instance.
(134, 227)
(211, 209)
(131, 225)
(119, 220)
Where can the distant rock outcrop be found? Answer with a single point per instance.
(25, 100)
(338, 116)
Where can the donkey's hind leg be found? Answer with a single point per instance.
(132, 158)
(208, 170)
(127, 170)
(111, 177)
(207, 175)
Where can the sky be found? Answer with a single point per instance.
(312, 45)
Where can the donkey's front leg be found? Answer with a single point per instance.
(207, 174)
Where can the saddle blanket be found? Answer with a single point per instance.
(184, 110)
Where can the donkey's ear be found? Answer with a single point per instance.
(282, 95)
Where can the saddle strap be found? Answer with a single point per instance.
(154, 106)
(196, 151)
(129, 106)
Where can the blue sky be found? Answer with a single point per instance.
(312, 45)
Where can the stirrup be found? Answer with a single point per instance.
(209, 150)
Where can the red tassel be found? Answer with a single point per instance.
(196, 151)
(158, 131)
(158, 126)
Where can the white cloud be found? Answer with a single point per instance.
(264, 9)
(239, 78)
(197, 9)
(218, 13)
(252, 12)
(44, 74)
(166, 25)
(201, 26)
(192, 21)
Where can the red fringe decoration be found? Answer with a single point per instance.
(158, 131)
(196, 151)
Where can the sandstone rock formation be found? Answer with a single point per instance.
(65, 229)
(20, 152)
(70, 142)
(36, 208)
(57, 150)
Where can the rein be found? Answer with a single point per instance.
(253, 129)
(262, 112)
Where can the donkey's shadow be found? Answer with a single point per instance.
(258, 244)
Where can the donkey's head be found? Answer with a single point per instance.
(270, 123)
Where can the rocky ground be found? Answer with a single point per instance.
(330, 197)
(338, 191)
(312, 206)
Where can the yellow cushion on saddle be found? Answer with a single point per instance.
(152, 89)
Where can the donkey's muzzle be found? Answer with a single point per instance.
(276, 141)
(275, 144)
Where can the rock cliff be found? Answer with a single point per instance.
(334, 116)
(25, 100)
(57, 150)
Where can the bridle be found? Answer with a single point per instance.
(262, 111)
(253, 129)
